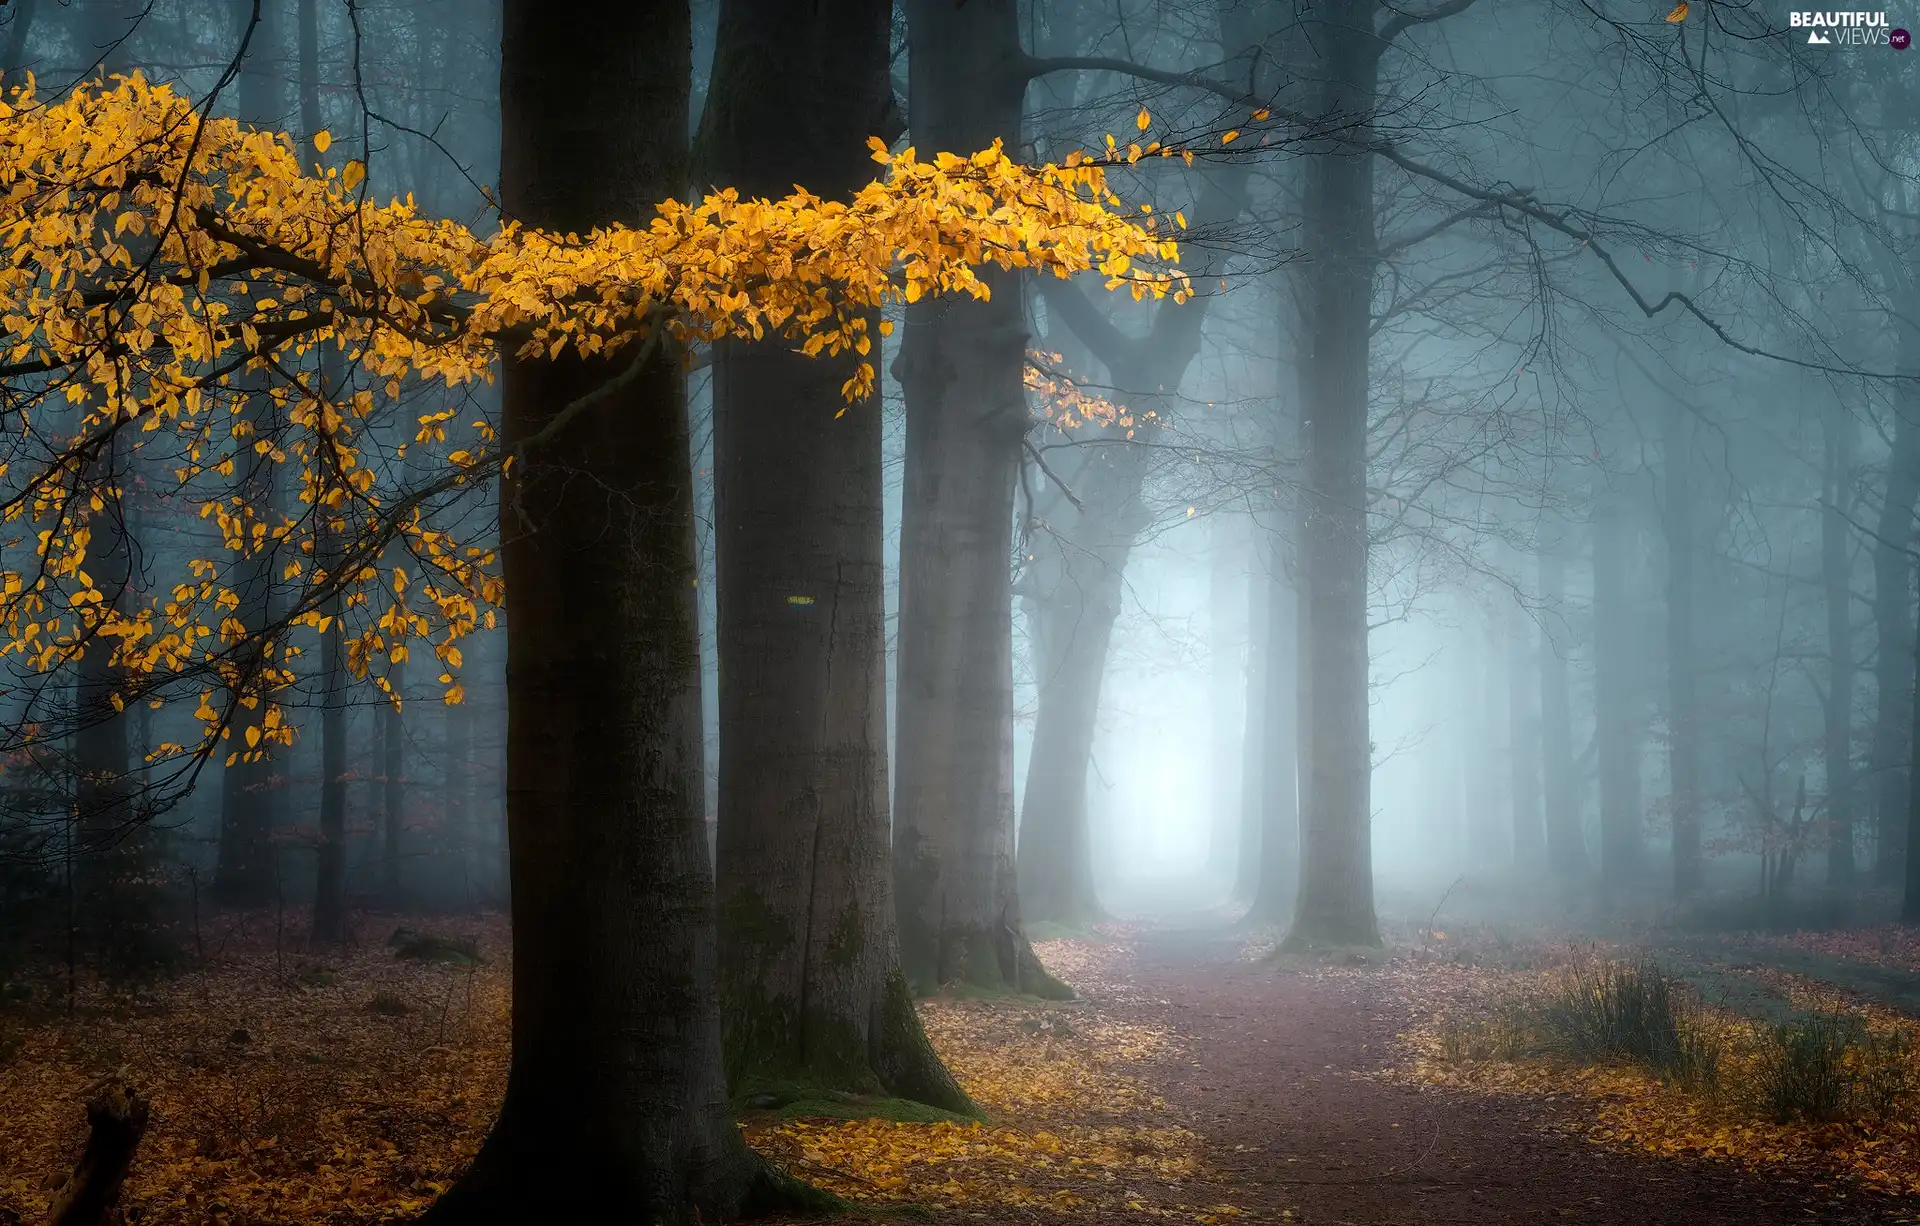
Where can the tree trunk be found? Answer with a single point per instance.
(393, 789)
(960, 367)
(116, 1121)
(1836, 570)
(459, 823)
(14, 56)
(615, 1106)
(330, 872)
(1334, 905)
(1523, 747)
(813, 997)
(1276, 871)
(1614, 699)
(1910, 897)
(1245, 880)
(245, 874)
(1227, 665)
(1683, 713)
(1566, 843)
(1893, 601)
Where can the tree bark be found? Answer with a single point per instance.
(1683, 708)
(615, 1107)
(1566, 842)
(116, 1120)
(960, 365)
(1893, 598)
(330, 872)
(813, 996)
(1334, 904)
(1836, 571)
(1614, 698)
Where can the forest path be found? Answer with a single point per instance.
(1274, 1075)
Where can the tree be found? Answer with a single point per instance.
(814, 1000)
(1334, 904)
(1614, 696)
(961, 368)
(613, 899)
(245, 873)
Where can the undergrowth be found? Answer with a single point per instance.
(1829, 1065)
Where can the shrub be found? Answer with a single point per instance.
(1829, 1066)
(1605, 1011)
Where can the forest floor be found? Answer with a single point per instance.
(1196, 1079)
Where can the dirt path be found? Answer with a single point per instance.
(1270, 1081)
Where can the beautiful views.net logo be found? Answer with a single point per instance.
(1849, 29)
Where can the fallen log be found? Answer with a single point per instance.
(116, 1120)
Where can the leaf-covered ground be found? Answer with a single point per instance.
(1195, 1080)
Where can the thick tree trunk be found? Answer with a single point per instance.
(616, 1106)
(1836, 570)
(1078, 606)
(1683, 708)
(1334, 905)
(1566, 842)
(813, 997)
(1614, 699)
(1893, 602)
(960, 367)
(1523, 741)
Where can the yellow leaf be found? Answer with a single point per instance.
(321, 140)
(1679, 12)
(351, 176)
(253, 735)
(1229, 138)
(1141, 120)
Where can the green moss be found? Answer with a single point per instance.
(799, 1099)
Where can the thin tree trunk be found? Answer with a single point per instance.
(244, 872)
(1276, 875)
(1683, 715)
(1227, 667)
(1893, 600)
(1910, 896)
(960, 365)
(1836, 569)
(14, 57)
(460, 823)
(615, 1106)
(1614, 699)
(1334, 904)
(1254, 768)
(813, 997)
(1523, 741)
(330, 874)
(1566, 843)
(393, 791)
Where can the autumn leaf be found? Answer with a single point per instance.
(1679, 12)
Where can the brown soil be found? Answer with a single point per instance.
(1271, 1083)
